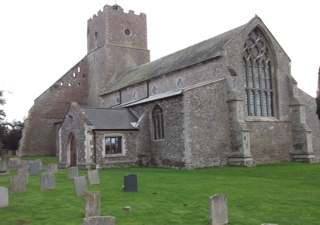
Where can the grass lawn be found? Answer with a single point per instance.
(285, 194)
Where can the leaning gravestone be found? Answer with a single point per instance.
(80, 186)
(105, 220)
(4, 197)
(47, 181)
(72, 172)
(93, 177)
(130, 183)
(17, 185)
(24, 174)
(92, 204)
(218, 209)
(34, 168)
(52, 168)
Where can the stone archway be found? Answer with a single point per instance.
(73, 150)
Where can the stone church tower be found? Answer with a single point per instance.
(116, 43)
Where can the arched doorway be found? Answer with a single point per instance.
(73, 151)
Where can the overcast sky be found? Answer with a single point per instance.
(41, 40)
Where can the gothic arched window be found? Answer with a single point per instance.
(259, 92)
(158, 122)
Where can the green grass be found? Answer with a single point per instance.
(285, 194)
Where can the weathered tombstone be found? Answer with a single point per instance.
(130, 183)
(218, 209)
(52, 168)
(4, 169)
(25, 164)
(80, 186)
(14, 163)
(34, 168)
(269, 224)
(47, 181)
(92, 204)
(5, 158)
(17, 185)
(40, 163)
(93, 177)
(4, 197)
(24, 174)
(105, 220)
(72, 172)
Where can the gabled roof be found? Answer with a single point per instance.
(110, 119)
(192, 55)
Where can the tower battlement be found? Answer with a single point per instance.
(114, 26)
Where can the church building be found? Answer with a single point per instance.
(227, 101)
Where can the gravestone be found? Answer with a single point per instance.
(105, 220)
(34, 168)
(47, 181)
(17, 185)
(40, 163)
(72, 172)
(52, 168)
(80, 186)
(4, 197)
(14, 163)
(25, 164)
(93, 177)
(5, 158)
(130, 183)
(218, 209)
(92, 204)
(4, 169)
(24, 174)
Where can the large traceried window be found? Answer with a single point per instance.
(259, 91)
(158, 122)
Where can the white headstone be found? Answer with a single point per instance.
(218, 209)
(4, 197)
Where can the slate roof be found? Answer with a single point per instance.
(197, 53)
(110, 119)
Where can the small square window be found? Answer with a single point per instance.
(113, 145)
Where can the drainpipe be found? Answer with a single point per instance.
(94, 147)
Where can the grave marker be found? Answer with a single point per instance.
(218, 209)
(5, 158)
(14, 163)
(93, 177)
(52, 168)
(130, 183)
(40, 163)
(47, 181)
(72, 172)
(105, 220)
(92, 204)
(80, 186)
(34, 168)
(4, 197)
(23, 173)
(17, 185)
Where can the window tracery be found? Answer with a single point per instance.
(259, 92)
